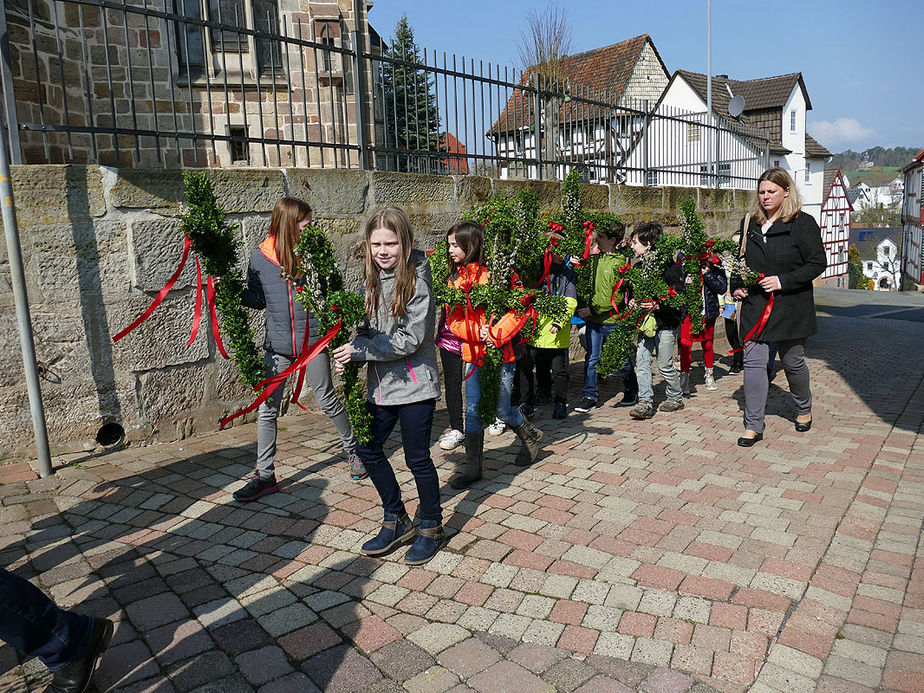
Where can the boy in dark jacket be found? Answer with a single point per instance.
(662, 343)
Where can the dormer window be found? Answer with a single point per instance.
(792, 120)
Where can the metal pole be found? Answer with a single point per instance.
(23, 319)
(709, 89)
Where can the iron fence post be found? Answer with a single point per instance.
(537, 126)
(9, 98)
(645, 144)
(362, 137)
(23, 318)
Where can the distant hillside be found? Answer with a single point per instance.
(879, 156)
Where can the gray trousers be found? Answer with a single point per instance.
(317, 373)
(757, 383)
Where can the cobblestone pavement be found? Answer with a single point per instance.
(651, 556)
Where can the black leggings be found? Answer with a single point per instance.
(452, 380)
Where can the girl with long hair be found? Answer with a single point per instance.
(397, 343)
(273, 278)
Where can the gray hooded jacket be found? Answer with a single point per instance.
(400, 351)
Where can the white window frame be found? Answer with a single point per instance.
(792, 120)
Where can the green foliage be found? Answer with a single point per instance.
(321, 292)
(694, 248)
(411, 115)
(215, 242)
(855, 278)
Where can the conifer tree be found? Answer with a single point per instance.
(411, 118)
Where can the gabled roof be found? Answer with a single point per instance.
(916, 162)
(606, 69)
(868, 247)
(814, 148)
(764, 100)
(832, 176)
(768, 92)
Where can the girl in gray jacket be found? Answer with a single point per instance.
(272, 279)
(396, 341)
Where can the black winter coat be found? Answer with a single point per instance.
(665, 317)
(714, 283)
(794, 252)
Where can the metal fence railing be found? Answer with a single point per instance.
(227, 82)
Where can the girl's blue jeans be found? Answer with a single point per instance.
(505, 412)
(416, 420)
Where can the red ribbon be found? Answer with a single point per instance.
(210, 298)
(589, 229)
(187, 244)
(546, 266)
(758, 326)
(197, 313)
(270, 384)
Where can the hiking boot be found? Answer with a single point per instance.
(395, 530)
(586, 405)
(357, 468)
(710, 380)
(452, 439)
(255, 488)
(430, 539)
(531, 439)
(561, 410)
(469, 471)
(642, 410)
(75, 677)
(672, 405)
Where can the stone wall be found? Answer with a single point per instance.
(99, 242)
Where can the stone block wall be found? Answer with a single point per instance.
(99, 242)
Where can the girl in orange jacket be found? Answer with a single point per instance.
(473, 327)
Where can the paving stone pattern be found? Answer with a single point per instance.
(647, 556)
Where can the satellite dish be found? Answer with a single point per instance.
(736, 106)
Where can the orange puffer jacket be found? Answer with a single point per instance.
(466, 324)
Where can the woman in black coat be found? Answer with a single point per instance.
(783, 243)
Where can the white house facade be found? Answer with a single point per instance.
(835, 229)
(885, 269)
(775, 105)
(912, 222)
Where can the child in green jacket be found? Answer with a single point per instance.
(548, 348)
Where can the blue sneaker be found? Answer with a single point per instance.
(430, 539)
(395, 530)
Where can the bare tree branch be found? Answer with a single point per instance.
(544, 41)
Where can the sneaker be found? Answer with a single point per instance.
(452, 439)
(255, 488)
(642, 410)
(629, 399)
(528, 410)
(587, 404)
(734, 370)
(672, 405)
(710, 380)
(685, 383)
(561, 410)
(357, 468)
(496, 428)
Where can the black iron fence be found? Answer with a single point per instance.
(239, 82)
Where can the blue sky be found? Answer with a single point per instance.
(861, 61)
